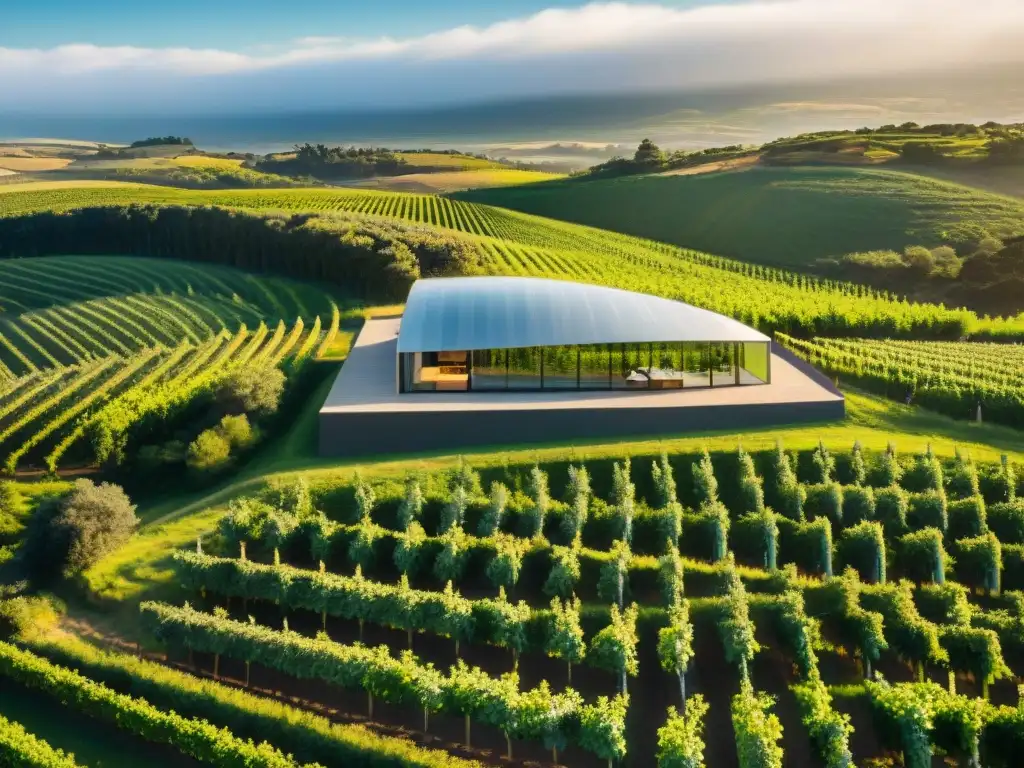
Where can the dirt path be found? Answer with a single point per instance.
(721, 165)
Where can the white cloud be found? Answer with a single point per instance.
(613, 44)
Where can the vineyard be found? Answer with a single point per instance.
(964, 380)
(91, 346)
(512, 243)
(820, 608)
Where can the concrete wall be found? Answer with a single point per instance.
(366, 434)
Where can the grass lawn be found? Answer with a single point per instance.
(138, 570)
(782, 216)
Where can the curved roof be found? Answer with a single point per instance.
(456, 313)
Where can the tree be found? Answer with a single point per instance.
(252, 390)
(919, 259)
(210, 451)
(94, 520)
(565, 637)
(237, 431)
(538, 489)
(675, 645)
(614, 647)
(648, 154)
(624, 498)
(411, 508)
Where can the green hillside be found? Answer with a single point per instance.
(97, 349)
(780, 216)
(486, 240)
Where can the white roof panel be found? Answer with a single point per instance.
(464, 313)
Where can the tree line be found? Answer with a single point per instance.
(370, 259)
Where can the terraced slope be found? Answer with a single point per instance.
(108, 340)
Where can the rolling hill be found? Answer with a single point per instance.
(786, 217)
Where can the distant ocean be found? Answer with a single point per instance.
(600, 125)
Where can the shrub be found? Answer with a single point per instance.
(784, 494)
(579, 504)
(979, 561)
(751, 488)
(758, 730)
(612, 582)
(491, 519)
(962, 481)
(236, 431)
(858, 504)
(1006, 519)
(565, 572)
(705, 486)
(892, 505)
(966, 517)
(252, 390)
(863, 548)
(858, 467)
(209, 452)
(928, 510)
(614, 647)
(823, 465)
(888, 471)
(825, 500)
(410, 510)
(922, 556)
(94, 520)
(538, 490)
(679, 740)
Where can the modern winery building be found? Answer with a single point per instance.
(487, 361)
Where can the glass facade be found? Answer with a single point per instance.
(644, 366)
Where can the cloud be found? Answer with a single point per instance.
(593, 47)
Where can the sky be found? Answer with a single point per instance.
(226, 56)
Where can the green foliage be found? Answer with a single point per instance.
(196, 738)
(454, 513)
(889, 471)
(579, 505)
(466, 478)
(830, 730)
(252, 389)
(907, 633)
(751, 485)
(409, 550)
(624, 498)
(858, 467)
(758, 729)
(929, 510)
(967, 517)
(825, 500)
(538, 491)
(962, 481)
(612, 582)
(565, 635)
(858, 504)
(209, 452)
(974, 650)
(494, 513)
(411, 509)
(705, 486)
(1006, 519)
(603, 727)
(670, 577)
(565, 572)
(94, 520)
(979, 562)
(735, 626)
(863, 548)
(823, 465)
(614, 647)
(675, 644)
(18, 747)
(451, 560)
(365, 499)
(762, 530)
(891, 508)
(841, 598)
(786, 494)
(944, 603)
(504, 568)
(664, 482)
(922, 556)
(680, 742)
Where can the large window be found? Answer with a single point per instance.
(660, 365)
(489, 370)
(524, 368)
(560, 367)
(754, 363)
(595, 367)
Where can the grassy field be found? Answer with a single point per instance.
(781, 216)
(454, 181)
(454, 162)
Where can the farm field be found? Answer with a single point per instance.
(890, 517)
(454, 181)
(791, 216)
(84, 337)
(509, 242)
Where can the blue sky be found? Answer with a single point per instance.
(243, 24)
(211, 56)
